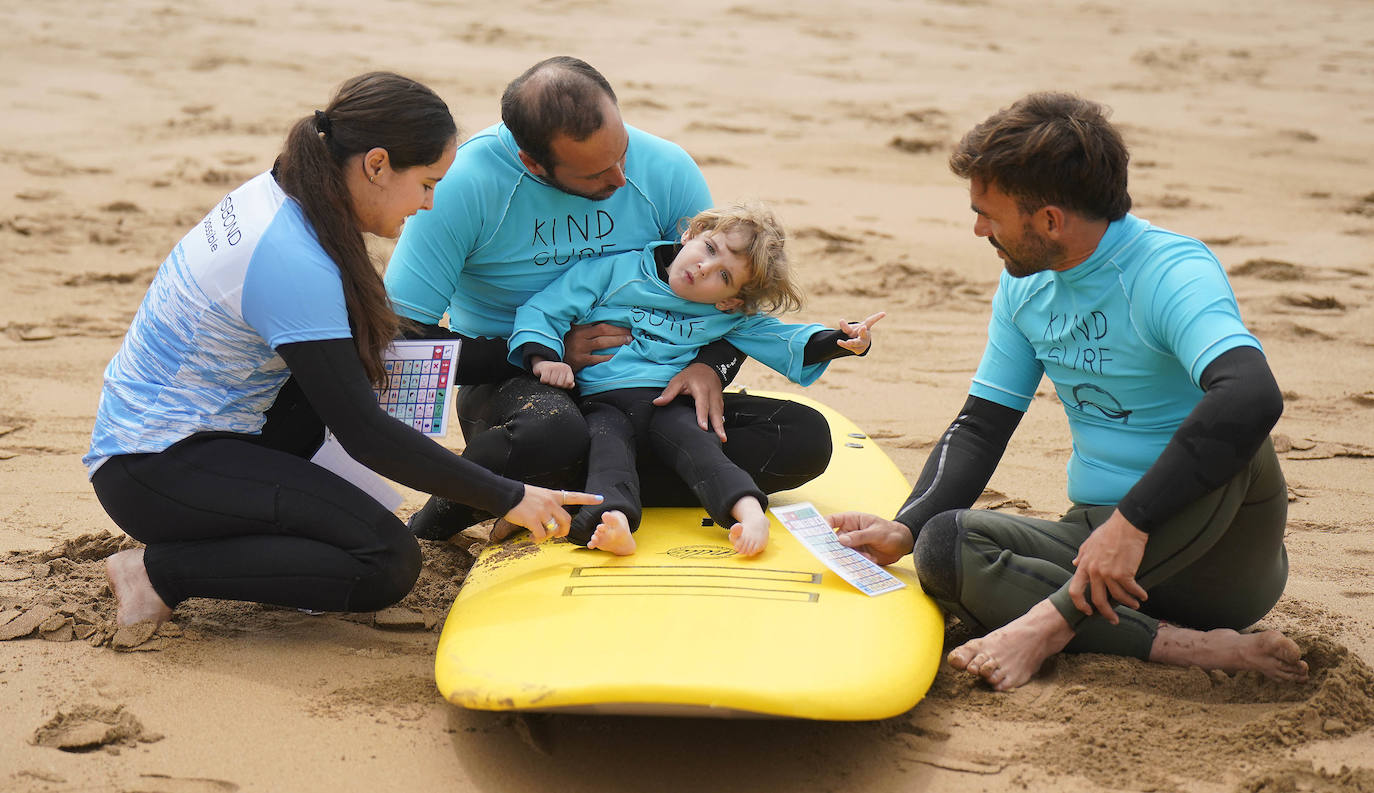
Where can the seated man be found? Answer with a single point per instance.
(1175, 539)
(563, 178)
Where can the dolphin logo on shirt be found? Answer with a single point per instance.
(1088, 395)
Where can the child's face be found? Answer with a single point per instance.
(711, 268)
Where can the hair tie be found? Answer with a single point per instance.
(322, 123)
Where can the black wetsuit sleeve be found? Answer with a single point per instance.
(332, 379)
(723, 358)
(1241, 404)
(532, 350)
(961, 463)
(824, 346)
(480, 359)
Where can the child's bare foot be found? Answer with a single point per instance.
(750, 534)
(750, 537)
(135, 598)
(1009, 656)
(613, 534)
(1270, 653)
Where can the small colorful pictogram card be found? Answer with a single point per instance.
(419, 383)
(807, 525)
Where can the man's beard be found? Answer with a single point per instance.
(601, 195)
(1034, 253)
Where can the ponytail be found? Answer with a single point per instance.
(374, 110)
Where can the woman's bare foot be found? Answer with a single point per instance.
(1008, 657)
(750, 534)
(1270, 653)
(613, 534)
(135, 598)
(502, 529)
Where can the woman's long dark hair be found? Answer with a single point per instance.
(373, 110)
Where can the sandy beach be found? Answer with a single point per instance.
(1250, 129)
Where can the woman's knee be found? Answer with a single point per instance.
(395, 570)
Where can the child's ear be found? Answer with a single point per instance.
(729, 304)
(686, 235)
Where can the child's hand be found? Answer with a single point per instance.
(858, 332)
(554, 373)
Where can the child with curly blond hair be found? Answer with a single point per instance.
(722, 280)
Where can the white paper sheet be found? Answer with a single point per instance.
(807, 525)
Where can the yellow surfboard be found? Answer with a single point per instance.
(684, 626)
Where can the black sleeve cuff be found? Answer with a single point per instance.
(825, 346)
(531, 350)
(723, 359)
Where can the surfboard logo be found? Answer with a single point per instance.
(701, 551)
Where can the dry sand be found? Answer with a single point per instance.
(1251, 129)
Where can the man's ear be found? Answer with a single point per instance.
(729, 304)
(532, 166)
(1051, 221)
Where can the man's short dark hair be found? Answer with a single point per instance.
(1050, 148)
(561, 95)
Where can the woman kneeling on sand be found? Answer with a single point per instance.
(266, 324)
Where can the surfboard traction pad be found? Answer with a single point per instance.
(686, 627)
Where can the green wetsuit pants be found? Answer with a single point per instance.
(1220, 563)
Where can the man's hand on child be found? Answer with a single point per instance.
(859, 333)
(554, 373)
(584, 345)
(703, 384)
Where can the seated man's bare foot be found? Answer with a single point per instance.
(1270, 653)
(135, 599)
(613, 534)
(1011, 655)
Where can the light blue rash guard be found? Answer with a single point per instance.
(200, 353)
(498, 234)
(1124, 337)
(667, 330)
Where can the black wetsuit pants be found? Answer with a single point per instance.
(249, 517)
(1219, 563)
(625, 426)
(535, 433)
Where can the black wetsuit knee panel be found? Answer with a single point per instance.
(936, 555)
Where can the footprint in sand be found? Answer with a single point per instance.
(85, 728)
(142, 276)
(1364, 207)
(1319, 303)
(36, 333)
(916, 145)
(161, 783)
(712, 160)
(37, 195)
(1268, 270)
(732, 129)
